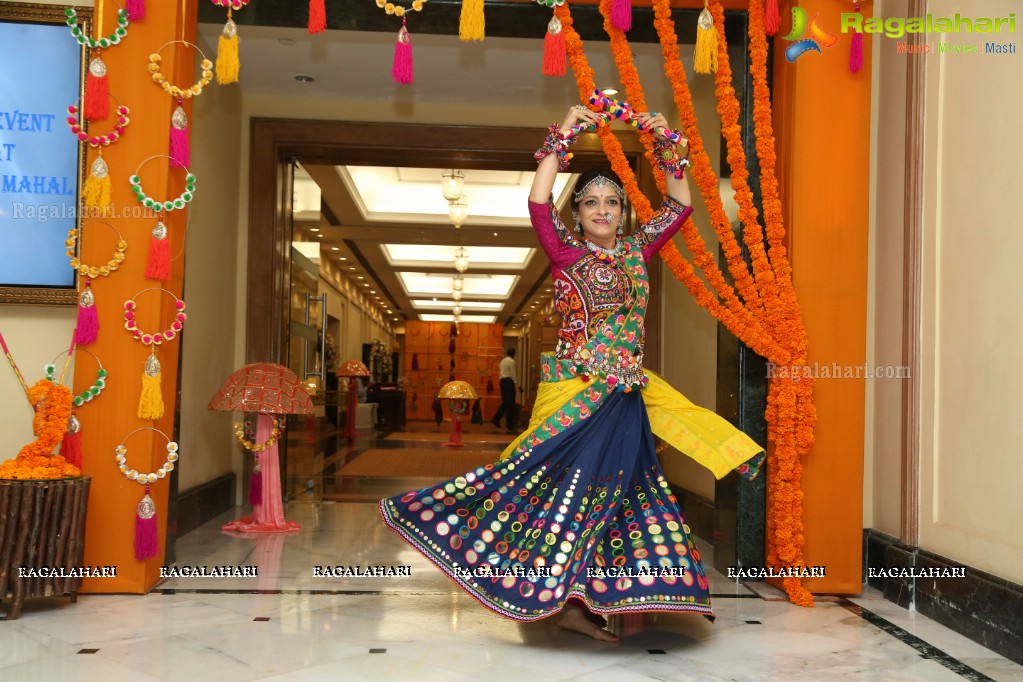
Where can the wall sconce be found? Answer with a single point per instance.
(451, 184)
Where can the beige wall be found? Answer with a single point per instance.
(971, 370)
(208, 346)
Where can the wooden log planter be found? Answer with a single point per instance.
(42, 525)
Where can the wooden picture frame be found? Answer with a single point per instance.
(41, 163)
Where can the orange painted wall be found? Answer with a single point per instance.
(110, 522)
(822, 123)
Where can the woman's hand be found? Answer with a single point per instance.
(650, 120)
(580, 114)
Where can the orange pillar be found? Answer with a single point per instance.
(110, 522)
(822, 123)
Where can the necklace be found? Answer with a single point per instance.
(605, 254)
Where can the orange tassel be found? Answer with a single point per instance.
(317, 16)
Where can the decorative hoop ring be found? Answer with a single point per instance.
(180, 202)
(161, 80)
(91, 271)
(159, 337)
(90, 393)
(103, 43)
(121, 451)
(74, 122)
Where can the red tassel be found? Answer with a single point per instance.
(158, 266)
(136, 9)
(87, 328)
(317, 17)
(554, 61)
(415, 361)
(772, 18)
(856, 52)
(72, 448)
(181, 155)
(621, 14)
(147, 539)
(256, 486)
(96, 106)
(402, 70)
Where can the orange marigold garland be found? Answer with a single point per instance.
(36, 461)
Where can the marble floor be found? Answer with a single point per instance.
(291, 624)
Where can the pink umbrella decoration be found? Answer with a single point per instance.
(269, 390)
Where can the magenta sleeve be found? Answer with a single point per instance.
(654, 233)
(561, 249)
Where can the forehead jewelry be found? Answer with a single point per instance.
(180, 154)
(87, 326)
(151, 398)
(599, 182)
(147, 541)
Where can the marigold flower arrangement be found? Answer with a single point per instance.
(36, 460)
(765, 313)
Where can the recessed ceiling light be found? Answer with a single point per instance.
(365, 284)
(360, 276)
(373, 291)
(286, 42)
(334, 248)
(303, 78)
(314, 229)
(351, 267)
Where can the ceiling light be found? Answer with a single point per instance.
(457, 310)
(365, 284)
(360, 276)
(334, 248)
(456, 295)
(458, 210)
(451, 184)
(461, 260)
(314, 229)
(610, 92)
(457, 284)
(303, 78)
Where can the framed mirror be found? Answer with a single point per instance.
(41, 162)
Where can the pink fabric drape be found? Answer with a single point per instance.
(269, 516)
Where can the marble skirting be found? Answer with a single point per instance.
(978, 605)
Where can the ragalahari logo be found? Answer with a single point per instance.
(819, 37)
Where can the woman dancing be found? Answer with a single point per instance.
(576, 518)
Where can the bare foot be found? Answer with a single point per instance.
(575, 619)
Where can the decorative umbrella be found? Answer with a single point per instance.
(459, 393)
(351, 369)
(268, 390)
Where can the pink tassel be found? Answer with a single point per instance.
(772, 18)
(158, 266)
(621, 14)
(87, 328)
(402, 70)
(317, 17)
(181, 155)
(136, 9)
(96, 106)
(147, 539)
(256, 486)
(856, 52)
(72, 448)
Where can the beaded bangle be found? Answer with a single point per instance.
(161, 80)
(180, 202)
(233, 4)
(239, 433)
(90, 270)
(98, 140)
(159, 337)
(121, 452)
(113, 39)
(88, 394)
(667, 157)
(558, 144)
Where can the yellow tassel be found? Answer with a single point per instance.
(228, 65)
(151, 400)
(471, 23)
(97, 188)
(706, 56)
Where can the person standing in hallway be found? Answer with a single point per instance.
(508, 384)
(576, 519)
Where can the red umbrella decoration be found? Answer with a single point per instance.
(268, 390)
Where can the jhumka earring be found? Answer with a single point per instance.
(578, 226)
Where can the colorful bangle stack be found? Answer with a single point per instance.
(98, 140)
(556, 143)
(668, 159)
